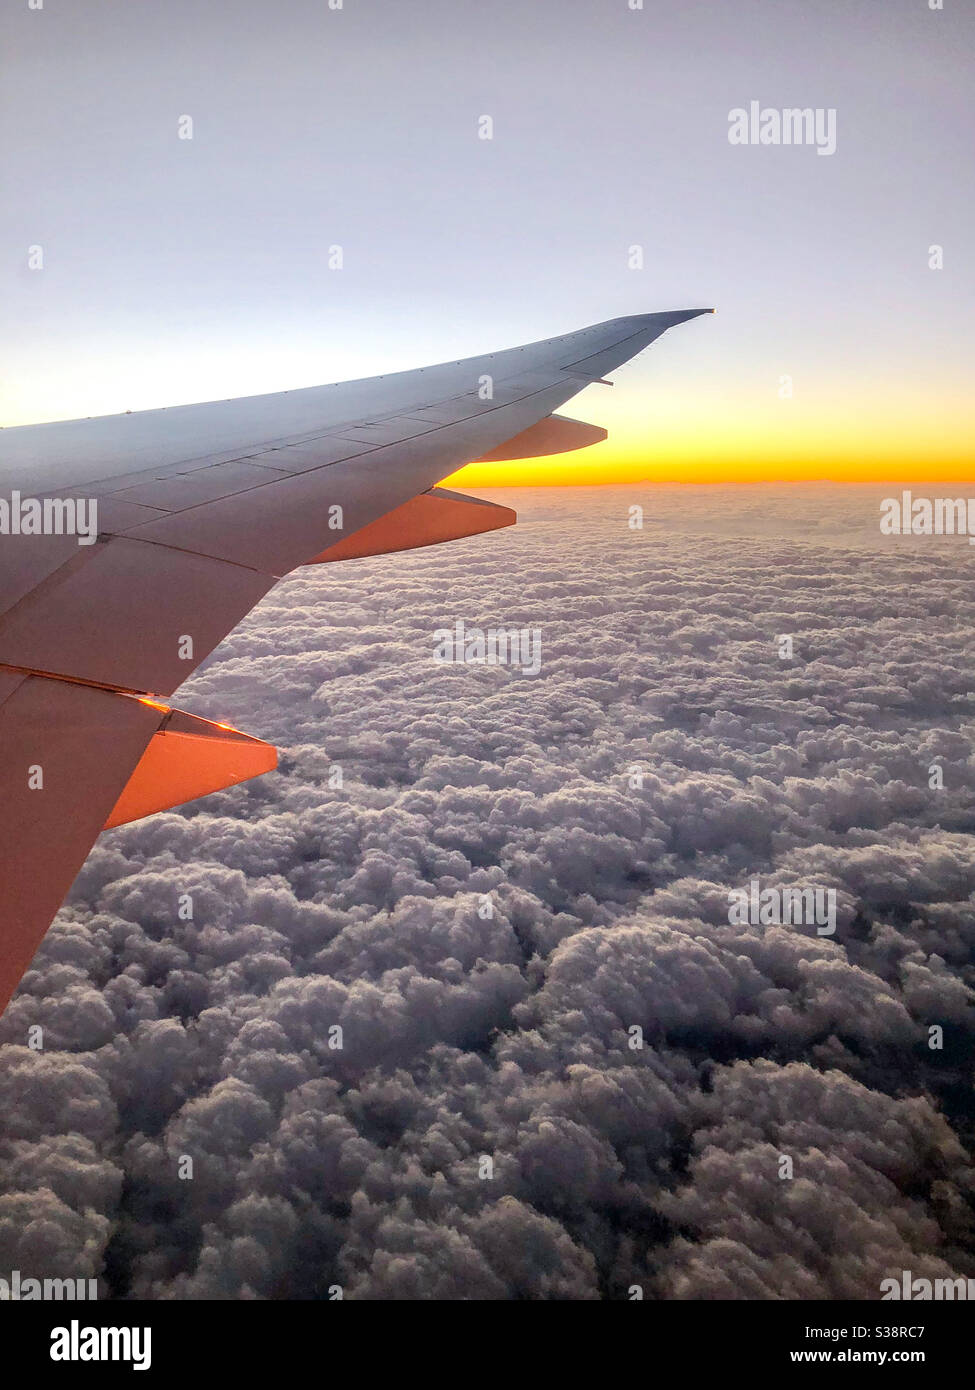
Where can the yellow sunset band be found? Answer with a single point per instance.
(717, 436)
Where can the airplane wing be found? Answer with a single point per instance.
(200, 510)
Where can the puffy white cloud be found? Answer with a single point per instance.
(395, 1031)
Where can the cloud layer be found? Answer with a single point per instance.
(397, 1045)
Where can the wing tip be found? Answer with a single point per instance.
(674, 316)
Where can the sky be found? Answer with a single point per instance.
(359, 903)
(173, 270)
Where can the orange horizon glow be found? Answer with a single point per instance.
(586, 472)
(716, 432)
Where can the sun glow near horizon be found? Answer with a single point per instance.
(676, 432)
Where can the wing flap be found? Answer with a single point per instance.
(556, 434)
(429, 519)
(188, 757)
